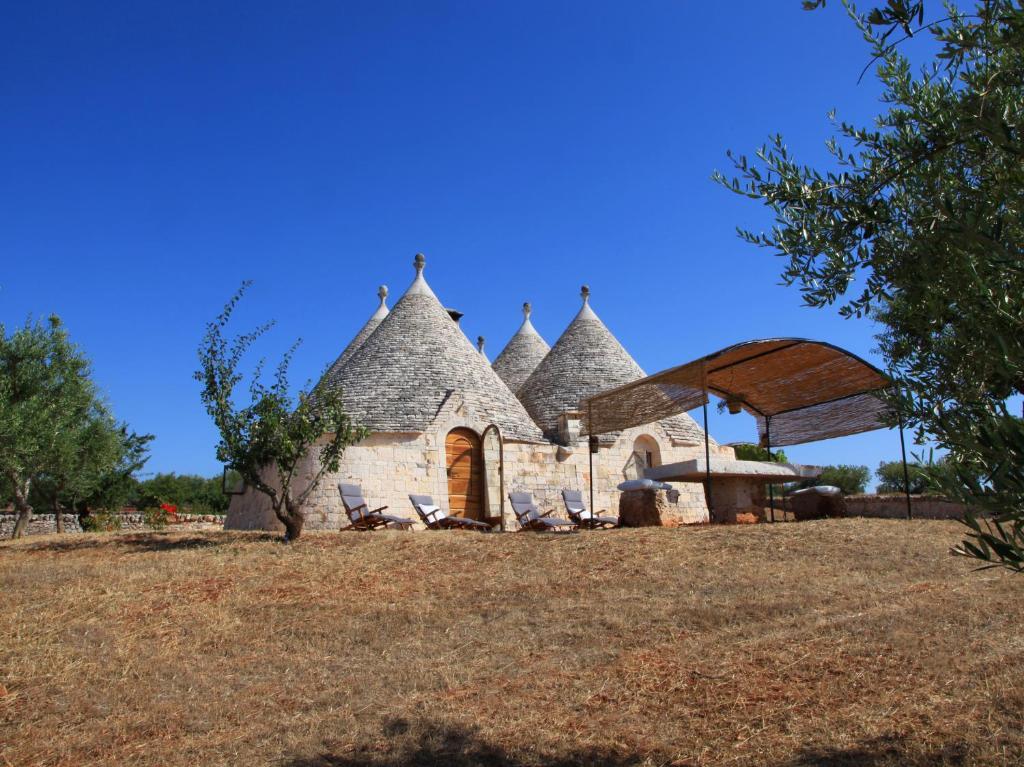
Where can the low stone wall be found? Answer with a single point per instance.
(131, 521)
(198, 522)
(39, 524)
(895, 507)
(135, 520)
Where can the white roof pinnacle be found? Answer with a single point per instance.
(586, 313)
(382, 310)
(419, 285)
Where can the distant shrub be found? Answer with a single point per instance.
(189, 492)
(891, 475)
(850, 479)
(202, 508)
(751, 452)
(100, 521)
(158, 517)
(928, 477)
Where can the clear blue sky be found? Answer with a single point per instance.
(154, 155)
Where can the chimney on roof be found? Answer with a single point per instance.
(480, 346)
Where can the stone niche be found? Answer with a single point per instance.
(650, 507)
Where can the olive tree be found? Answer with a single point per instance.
(267, 440)
(45, 392)
(59, 444)
(85, 446)
(918, 222)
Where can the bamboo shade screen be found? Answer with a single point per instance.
(808, 389)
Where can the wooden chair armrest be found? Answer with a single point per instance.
(548, 513)
(378, 511)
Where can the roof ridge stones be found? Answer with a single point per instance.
(521, 354)
(400, 376)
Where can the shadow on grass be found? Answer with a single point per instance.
(878, 752)
(461, 747)
(138, 542)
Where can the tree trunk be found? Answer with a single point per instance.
(57, 515)
(24, 515)
(22, 505)
(291, 517)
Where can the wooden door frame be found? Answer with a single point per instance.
(481, 493)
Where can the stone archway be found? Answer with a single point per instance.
(647, 451)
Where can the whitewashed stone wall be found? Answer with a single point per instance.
(390, 466)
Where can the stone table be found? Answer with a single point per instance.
(733, 483)
(655, 507)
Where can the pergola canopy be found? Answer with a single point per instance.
(799, 391)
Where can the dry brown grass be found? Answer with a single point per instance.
(848, 642)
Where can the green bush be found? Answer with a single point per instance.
(890, 474)
(750, 452)
(100, 521)
(929, 477)
(156, 517)
(850, 479)
(191, 493)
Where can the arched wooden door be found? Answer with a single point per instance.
(464, 461)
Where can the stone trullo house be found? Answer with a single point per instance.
(428, 397)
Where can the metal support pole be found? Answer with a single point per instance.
(590, 455)
(768, 440)
(906, 473)
(707, 461)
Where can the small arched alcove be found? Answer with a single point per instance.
(647, 451)
(464, 466)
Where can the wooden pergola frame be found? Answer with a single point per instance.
(810, 390)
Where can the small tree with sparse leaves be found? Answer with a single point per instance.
(269, 438)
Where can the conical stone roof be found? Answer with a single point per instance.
(521, 354)
(418, 357)
(371, 324)
(585, 360)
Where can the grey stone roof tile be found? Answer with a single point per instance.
(587, 359)
(402, 373)
(521, 354)
(363, 334)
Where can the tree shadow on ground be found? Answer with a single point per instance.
(137, 542)
(886, 751)
(423, 745)
(462, 747)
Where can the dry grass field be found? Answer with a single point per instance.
(847, 642)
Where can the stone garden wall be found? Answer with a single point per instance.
(39, 524)
(130, 521)
(895, 507)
